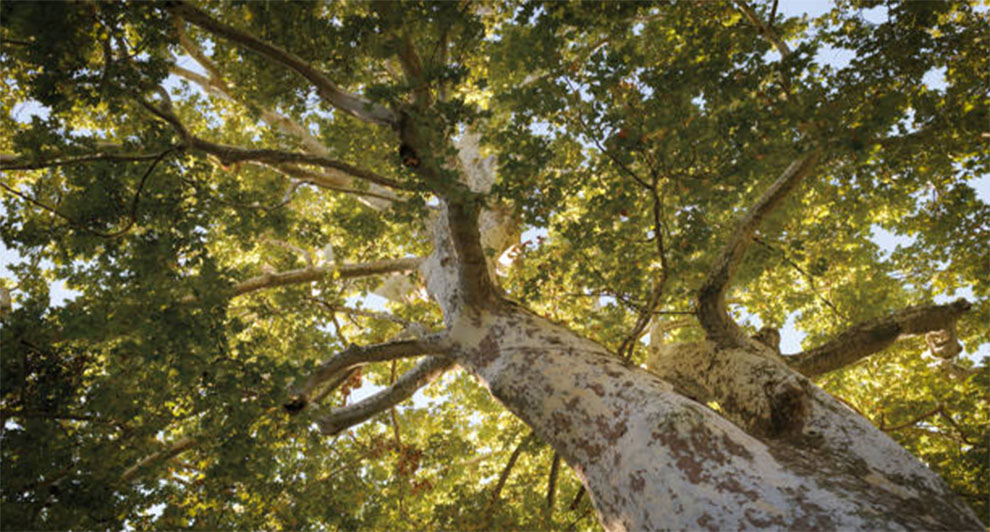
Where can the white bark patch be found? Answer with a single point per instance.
(478, 171)
(653, 459)
(440, 269)
(499, 228)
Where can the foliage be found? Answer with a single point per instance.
(627, 137)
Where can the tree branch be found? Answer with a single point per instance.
(769, 34)
(765, 29)
(465, 233)
(335, 180)
(232, 154)
(216, 85)
(871, 336)
(332, 94)
(306, 275)
(504, 476)
(711, 307)
(14, 162)
(355, 356)
(351, 311)
(912, 422)
(425, 372)
(132, 213)
(808, 277)
(171, 451)
(552, 484)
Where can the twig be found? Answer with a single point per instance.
(79, 225)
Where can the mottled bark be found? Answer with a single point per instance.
(654, 459)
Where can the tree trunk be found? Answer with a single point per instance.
(654, 459)
(781, 453)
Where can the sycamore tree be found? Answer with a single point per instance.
(491, 265)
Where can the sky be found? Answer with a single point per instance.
(790, 337)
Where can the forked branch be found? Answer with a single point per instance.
(355, 356)
(711, 307)
(426, 371)
(868, 337)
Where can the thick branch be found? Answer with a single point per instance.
(306, 275)
(328, 90)
(871, 336)
(356, 355)
(343, 418)
(711, 307)
(215, 85)
(172, 451)
(475, 280)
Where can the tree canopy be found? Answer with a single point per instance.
(221, 186)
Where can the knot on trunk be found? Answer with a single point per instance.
(754, 390)
(944, 344)
(790, 405)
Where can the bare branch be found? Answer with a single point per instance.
(355, 356)
(132, 213)
(425, 372)
(171, 451)
(871, 336)
(332, 179)
(504, 476)
(328, 90)
(14, 162)
(306, 275)
(552, 483)
(234, 154)
(711, 307)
